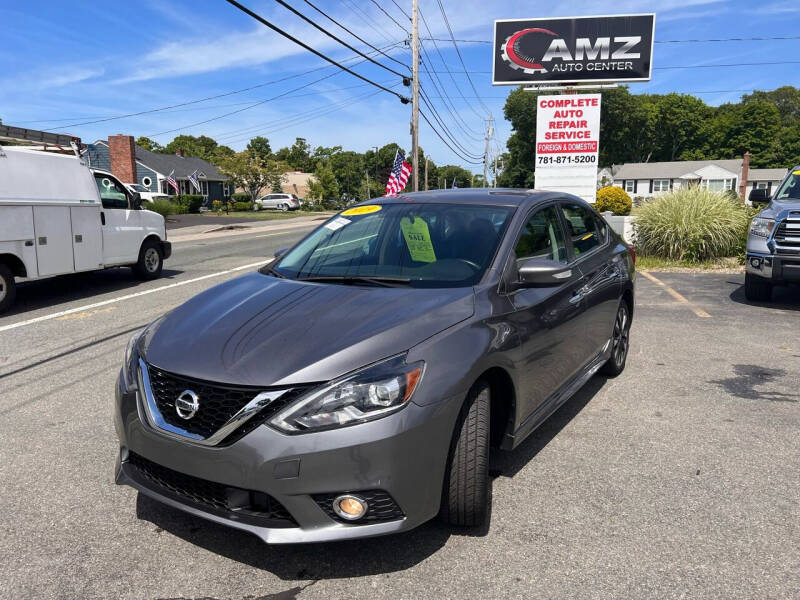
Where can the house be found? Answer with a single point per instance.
(296, 182)
(646, 180)
(134, 164)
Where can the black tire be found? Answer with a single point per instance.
(620, 339)
(757, 289)
(467, 496)
(8, 288)
(151, 261)
(283, 207)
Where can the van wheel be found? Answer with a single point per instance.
(8, 288)
(757, 289)
(467, 488)
(151, 261)
(283, 207)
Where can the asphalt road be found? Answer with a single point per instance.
(678, 479)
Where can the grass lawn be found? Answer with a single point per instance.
(268, 215)
(652, 263)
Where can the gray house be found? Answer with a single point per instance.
(134, 164)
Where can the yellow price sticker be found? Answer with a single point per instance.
(361, 210)
(418, 240)
(795, 172)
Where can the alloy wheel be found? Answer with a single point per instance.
(621, 333)
(151, 260)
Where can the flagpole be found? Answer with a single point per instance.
(415, 93)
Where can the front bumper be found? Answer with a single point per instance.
(775, 267)
(403, 455)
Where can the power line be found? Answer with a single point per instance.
(472, 162)
(458, 51)
(695, 41)
(290, 37)
(390, 16)
(446, 131)
(376, 27)
(750, 64)
(402, 10)
(289, 7)
(355, 35)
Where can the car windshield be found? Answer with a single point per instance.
(415, 244)
(790, 188)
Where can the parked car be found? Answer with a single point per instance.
(354, 386)
(58, 216)
(278, 201)
(144, 193)
(773, 243)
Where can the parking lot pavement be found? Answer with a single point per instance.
(678, 479)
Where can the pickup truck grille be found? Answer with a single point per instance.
(787, 234)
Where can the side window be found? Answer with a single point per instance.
(112, 194)
(542, 237)
(584, 229)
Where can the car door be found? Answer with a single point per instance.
(548, 320)
(600, 285)
(269, 201)
(122, 226)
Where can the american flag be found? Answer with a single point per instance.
(195, 181)
(171, 181)
(399, 177)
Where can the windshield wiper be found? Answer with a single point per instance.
(355, 279)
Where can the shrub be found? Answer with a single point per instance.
(615, 199)
(190, 202)
(242, 206)
(162, 207)
(216, 205)
(241, 197)
(691, 224)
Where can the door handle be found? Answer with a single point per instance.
(102, 218)
(577, 297)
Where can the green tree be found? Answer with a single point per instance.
(259, 146)
(199, 146)
(148, 144)
(679, 121)
(253, 173)
(324, 187)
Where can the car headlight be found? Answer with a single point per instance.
(368, 394)
(761, 227)
(131, 361)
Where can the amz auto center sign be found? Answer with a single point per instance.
(573, 50)
(567, 143)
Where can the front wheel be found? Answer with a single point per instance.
(619, 342)
(150, 262)
(8, 288)
(467, 489)
(757, 289)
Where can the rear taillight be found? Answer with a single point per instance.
(633, 253)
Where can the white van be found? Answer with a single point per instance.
(58, 216)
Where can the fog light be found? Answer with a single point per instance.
(350, 507)
(755, 263)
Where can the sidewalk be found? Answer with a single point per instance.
(212, 231)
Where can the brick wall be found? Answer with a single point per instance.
(122, 155)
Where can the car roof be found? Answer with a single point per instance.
(479, 196)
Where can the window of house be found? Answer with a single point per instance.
(762, 185)
(147, 182)
(542, 238)
(660, 185)
(717, 185)
(226, 190)
(630, 185)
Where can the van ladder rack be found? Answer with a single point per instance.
(57, 141)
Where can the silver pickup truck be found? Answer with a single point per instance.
(773, 244)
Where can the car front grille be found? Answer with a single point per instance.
(381, 507)
(218, 403)
(231, 502)
(787, 234)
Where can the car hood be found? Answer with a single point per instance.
(259, 330)
(774, 209)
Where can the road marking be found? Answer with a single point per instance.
(89, 307)
(698, 311)
(87, 313)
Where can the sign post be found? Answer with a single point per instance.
(570, 52)
(567, 143)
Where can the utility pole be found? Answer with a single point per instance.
(426, 173)
(494, 177)
(415, 93)
(489, 132)
(366, 177)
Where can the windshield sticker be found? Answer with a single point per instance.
(795, 172)
(361, 210)
(337, 223)
(418, 240)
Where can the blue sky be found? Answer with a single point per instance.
(63, 63)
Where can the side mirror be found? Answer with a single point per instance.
(136, 201)
(760, 196)
(280, 253)
(542, 272)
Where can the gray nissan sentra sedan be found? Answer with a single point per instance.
(354, 386)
